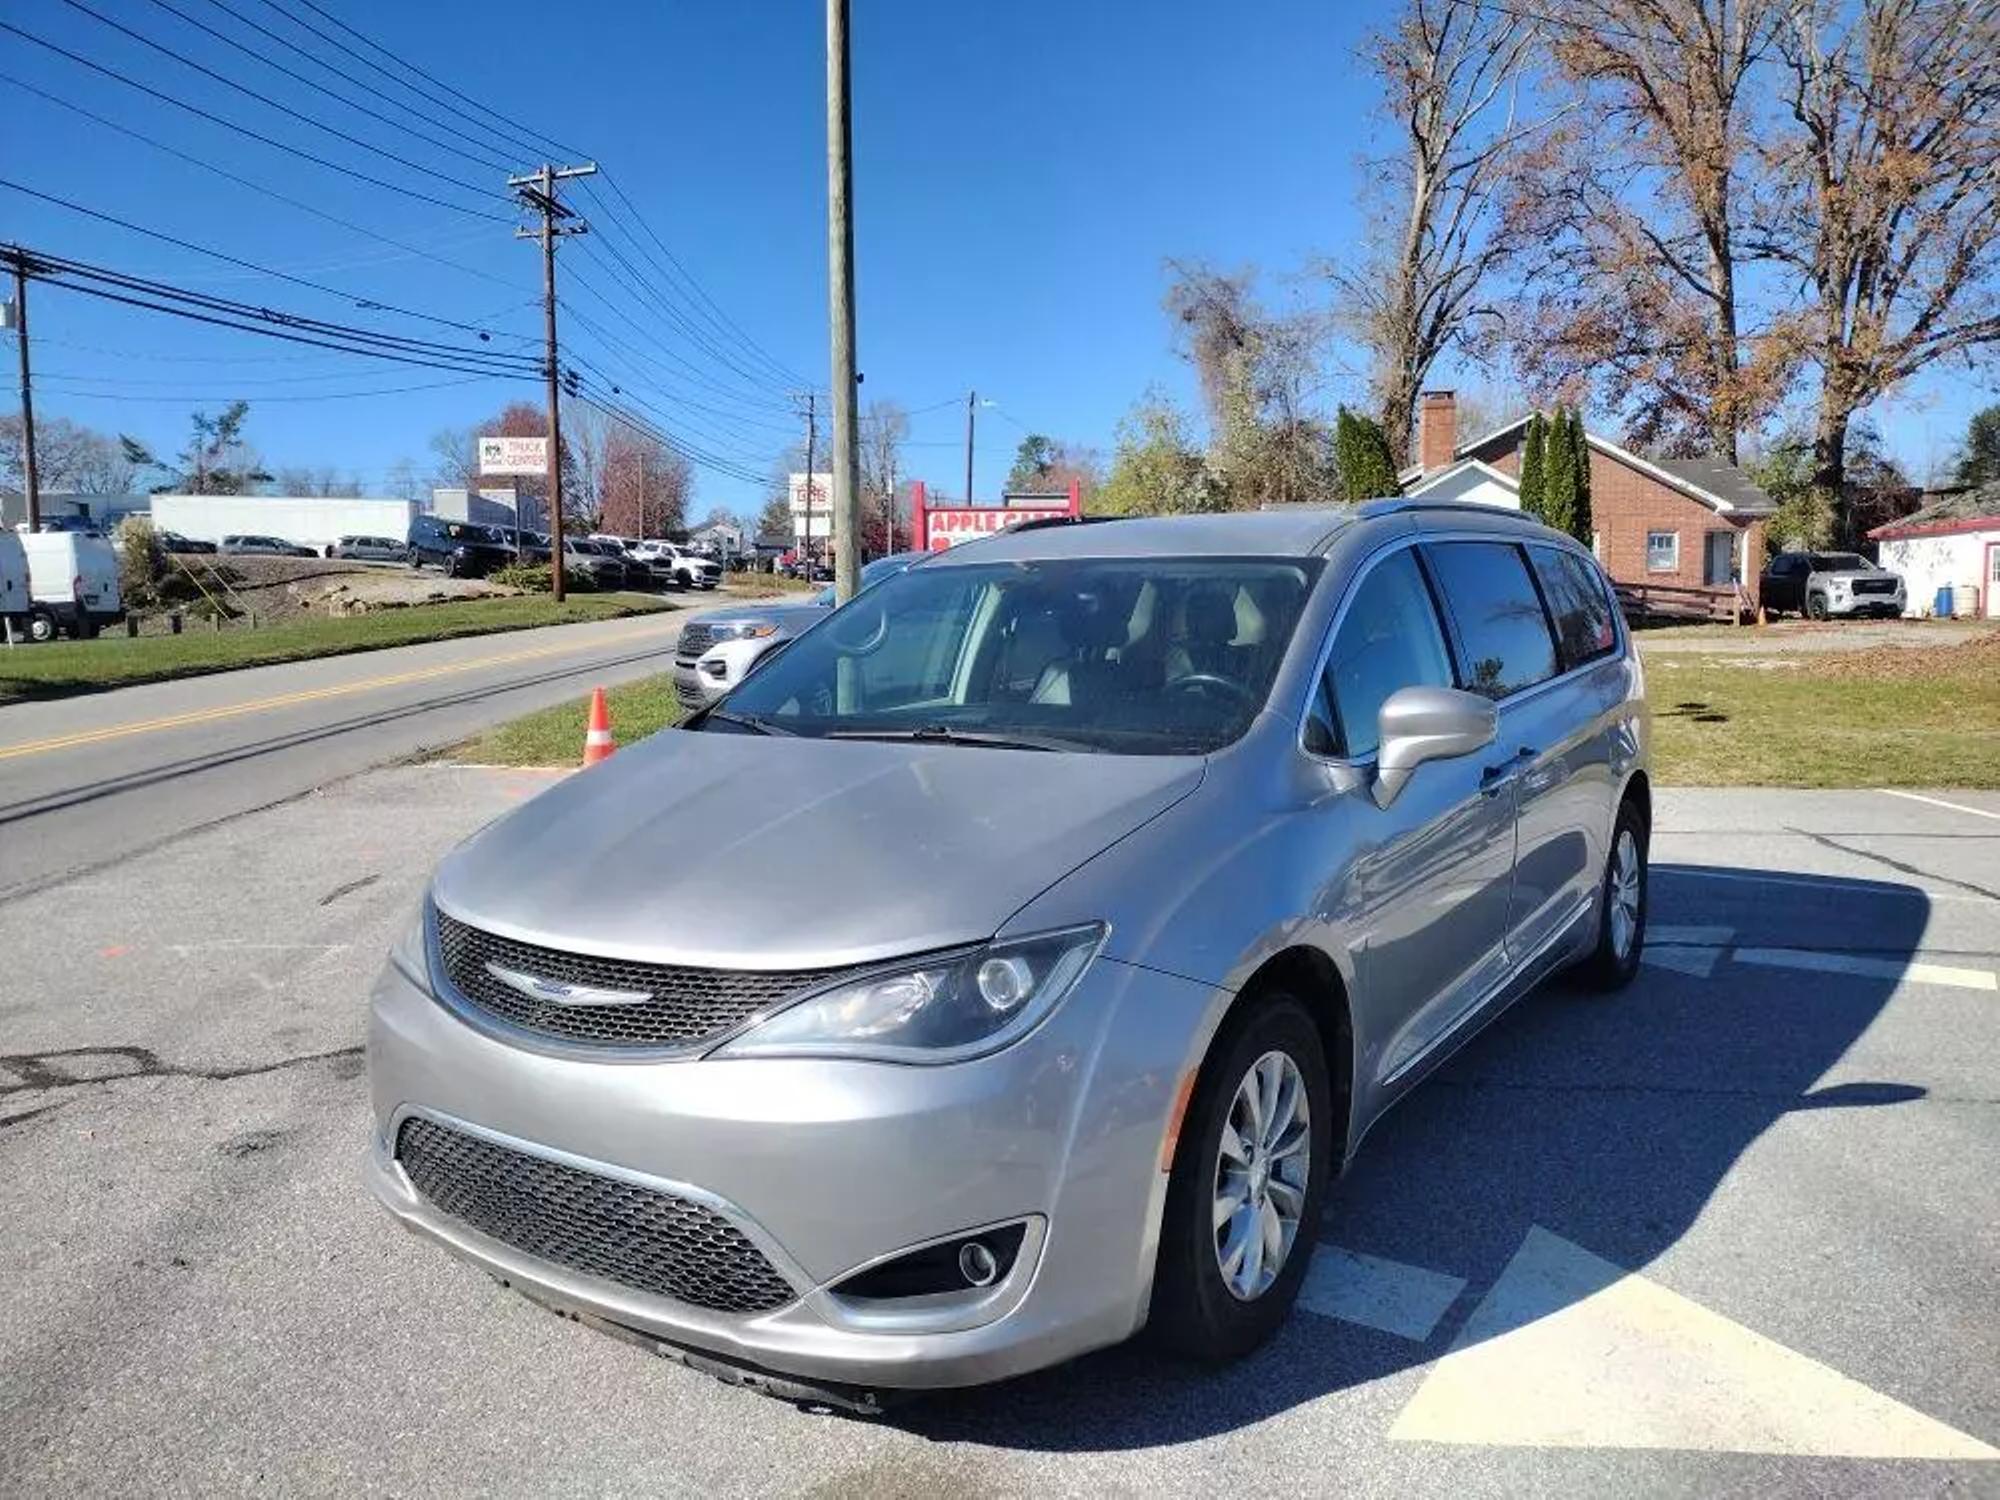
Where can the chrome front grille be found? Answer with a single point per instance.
(686, 1006)
(618, 1231)
(696, 638)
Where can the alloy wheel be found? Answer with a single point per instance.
(1624, 893)
(1262, 1167)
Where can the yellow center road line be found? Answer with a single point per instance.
(286, 700)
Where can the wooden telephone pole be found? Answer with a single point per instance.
(31, 487)
(537, 190)
(840, 269)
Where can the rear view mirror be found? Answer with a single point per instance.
(1427, 723)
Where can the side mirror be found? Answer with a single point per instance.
(1427, 723)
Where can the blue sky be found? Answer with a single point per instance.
(1023, 170)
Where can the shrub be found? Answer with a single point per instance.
(535, 578)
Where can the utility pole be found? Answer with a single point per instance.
(812, 438)
(840, 274)
(31, 482)
(538, 191)
(642, 494)
(971, 407)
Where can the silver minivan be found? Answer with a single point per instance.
(1010, 963)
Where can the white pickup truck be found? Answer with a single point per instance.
(688, 570)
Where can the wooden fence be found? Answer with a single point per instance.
(1672, 601)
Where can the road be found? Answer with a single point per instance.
(1733, 1231)
(85, 781)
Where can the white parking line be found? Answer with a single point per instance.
(1707, 937)
(1389, 1295)
(1869, 968)
(1958, 807)
(1694, 960)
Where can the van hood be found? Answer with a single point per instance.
(755, 852)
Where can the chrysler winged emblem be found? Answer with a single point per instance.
(559, 992)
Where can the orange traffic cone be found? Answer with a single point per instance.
(597, 738)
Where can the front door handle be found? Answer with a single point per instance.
(1494, 777)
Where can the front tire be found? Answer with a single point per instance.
(1248, 1182)
(42, 626)
(1816, 606)
(1621, 906)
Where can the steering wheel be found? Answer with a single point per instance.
(1205, 681)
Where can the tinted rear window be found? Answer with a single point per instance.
(1575, 592)
(1501, 627)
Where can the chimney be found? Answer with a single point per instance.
(1437, 429)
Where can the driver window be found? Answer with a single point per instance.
(1389, 639)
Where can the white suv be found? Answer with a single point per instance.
(690, 570)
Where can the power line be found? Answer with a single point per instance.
(640, 287)
(695, 376)
(339, 98)
(721, 317)
(547, 144)
(236, 260)
(257, 187)
(245, 130)
(185, 400)
(269, 102)
(157, 296)
(445, 125)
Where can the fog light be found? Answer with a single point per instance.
(977, 1264)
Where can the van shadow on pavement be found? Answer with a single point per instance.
(1609, 1120)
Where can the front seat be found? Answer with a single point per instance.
(1091, 625)
(1209, 629)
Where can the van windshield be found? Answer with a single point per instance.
(1144, 656)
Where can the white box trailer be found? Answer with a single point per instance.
(306, 520)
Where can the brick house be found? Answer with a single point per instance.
(1680, 522)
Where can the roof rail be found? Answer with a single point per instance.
(1042, 523)
(1392, 505)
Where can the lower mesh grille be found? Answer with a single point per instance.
(600, 1226)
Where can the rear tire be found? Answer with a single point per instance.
(1200, 1309)
(1621, 906)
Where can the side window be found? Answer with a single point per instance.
(1389, 639)
(1663, 551)
(1584, 631)
(1499, 615)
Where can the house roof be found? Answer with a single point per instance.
(1962, 510)
(1720, 486)
(1438, 476)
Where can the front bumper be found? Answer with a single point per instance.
(1865, 604)
(832, 1165)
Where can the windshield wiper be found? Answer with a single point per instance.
(748, 721)
(944, 734)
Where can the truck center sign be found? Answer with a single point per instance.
(514, 455)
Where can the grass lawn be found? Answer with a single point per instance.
(64, 667)
(1885, 717)
(554, 736)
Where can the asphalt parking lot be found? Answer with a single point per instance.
(1736, 1230)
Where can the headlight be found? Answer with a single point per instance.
(409, 951)
(744, 630)
(955, 1006)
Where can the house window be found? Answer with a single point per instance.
(1663, 552)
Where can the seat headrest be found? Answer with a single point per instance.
(1211, 616)
(1091, 618)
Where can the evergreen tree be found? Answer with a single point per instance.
(1559, 486)
(1534, 467)
(1580, 522)
(1361, 449)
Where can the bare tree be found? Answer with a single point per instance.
(1887, 198)
(1643, 215)
(1451, 78)
(1258, 372)
(885, 427)
(68, 456)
